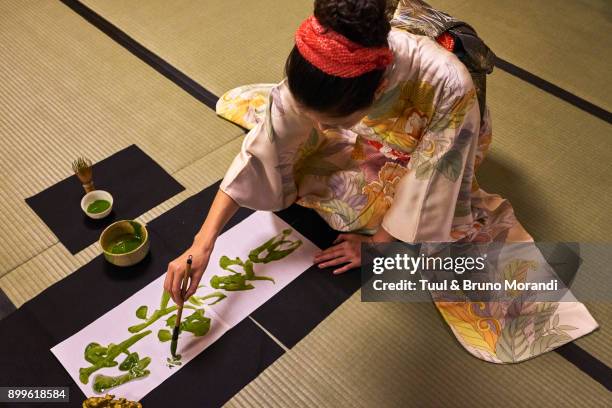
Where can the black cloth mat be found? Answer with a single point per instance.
(6, 306)
(209, 380)
(181, 223)
(300, 306)
(97, 287)
(305, 302)
(222, 369)
(136, 182)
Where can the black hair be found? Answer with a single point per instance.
(362, 21)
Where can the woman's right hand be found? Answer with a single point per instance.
(221, 210)
(172, 284)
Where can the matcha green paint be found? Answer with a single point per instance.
(274, 249)
(124, 243)
(199, 300)
(195, 323)
(141, 312)
(174, 361)
(164, 309)
(129, 362)
(136, 368)
(101, 357)
(98, 206)
(230, 282)
(164, 335)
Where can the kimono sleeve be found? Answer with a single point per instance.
(434, 195)
(261, 175)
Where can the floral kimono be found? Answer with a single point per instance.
(408, 167)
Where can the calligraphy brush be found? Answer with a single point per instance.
(179, 312)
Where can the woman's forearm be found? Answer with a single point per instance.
(382, 236)
(222, 209)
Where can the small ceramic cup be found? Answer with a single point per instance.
(118, 229)
(93, 196)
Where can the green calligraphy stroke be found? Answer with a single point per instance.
(276, 248)
(101, 357)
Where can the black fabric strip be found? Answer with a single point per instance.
(6, 306)
(221, 370)
(153, 60)
(554, 90)
(147, 186)
(596, 369)
(313, 295)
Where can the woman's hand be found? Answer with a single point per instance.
(176, 269)
(221, 210)
(347, 250)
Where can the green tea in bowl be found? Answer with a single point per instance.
(125, 243)
(97, 204)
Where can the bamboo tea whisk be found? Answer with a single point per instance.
(82, 168)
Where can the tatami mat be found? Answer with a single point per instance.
(80, 93)
(560, 41)
(221, 50)
(219, 44)
(551, 160)
(401, 355)
(66, 90)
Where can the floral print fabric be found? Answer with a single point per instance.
(351, 176)
(407, 166)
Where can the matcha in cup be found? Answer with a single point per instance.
(125, 243)
(97, 204)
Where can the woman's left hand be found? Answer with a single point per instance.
(347, 250)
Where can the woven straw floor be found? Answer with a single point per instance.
(68, 89)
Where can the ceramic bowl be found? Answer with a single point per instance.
(115, 230)
(93, 196)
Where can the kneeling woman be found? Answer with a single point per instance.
(378, 130)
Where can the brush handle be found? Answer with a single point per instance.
(184, 285)
(186, 278)
(179, 313)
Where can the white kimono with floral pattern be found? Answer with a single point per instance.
(408, 167)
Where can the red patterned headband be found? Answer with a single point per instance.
(335, 54)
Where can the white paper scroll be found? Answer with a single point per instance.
(113, 326)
